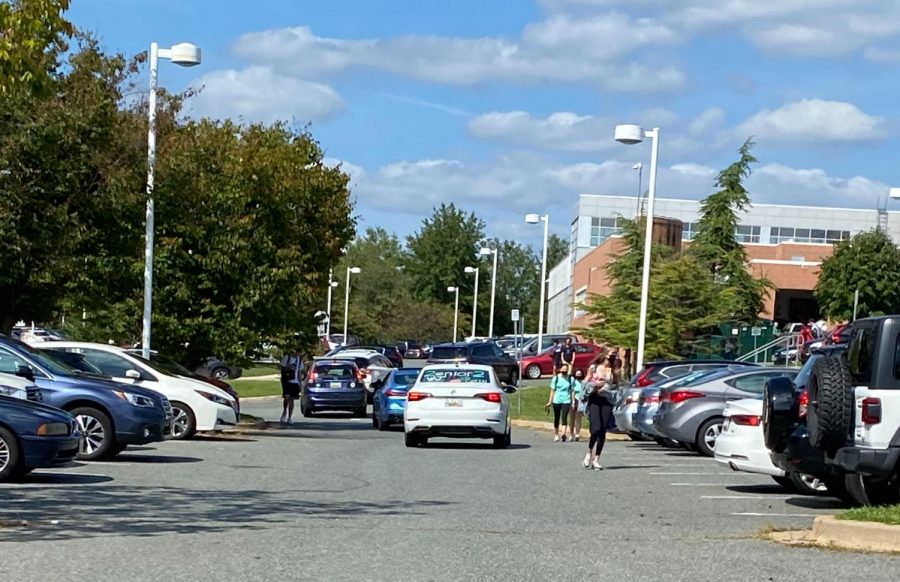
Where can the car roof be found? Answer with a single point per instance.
(663, 363)
(356, 353)
(455, 345)
(334, 361)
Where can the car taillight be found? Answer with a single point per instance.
(393, 392)
(804, 403)
(313, 376)
(417, 396)
(746, 419)
(643, 378)
(644, 400)
(871, 410)
(680, 396)
(490, 397)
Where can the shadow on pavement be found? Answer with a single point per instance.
(213, 438)
(86, 512)
(625, 467)
(473, 446)
(816, 502)
(773, 489)
(44, 477)
(156, 459)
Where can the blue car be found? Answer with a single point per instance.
(110, 416)
(334, 385)
(33, 436)
(389, 401)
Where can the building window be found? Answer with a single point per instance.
(808, 235)
(603, 228)
(691, 229)
(747, 234)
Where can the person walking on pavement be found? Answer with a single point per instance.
(568, 355)
(561, 400)
(291, 373)
(599, 411)
(578, 405)
(557, 356)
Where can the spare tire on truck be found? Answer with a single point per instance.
(780, 411)
(830, 414)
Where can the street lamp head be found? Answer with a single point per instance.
(895, 193)
(638, 166)
(532, 218)
(452, 289)
(471, 270)
(355, 270)
(486, 251)
(185, 54)
(629, 134)
(334, 283)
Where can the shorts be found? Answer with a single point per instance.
(290, 390)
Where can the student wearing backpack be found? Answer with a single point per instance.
(561, 397)
(579, 384)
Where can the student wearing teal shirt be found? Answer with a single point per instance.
(561, 398)
(578, 406)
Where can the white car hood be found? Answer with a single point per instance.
(192, 384)
(748, 406)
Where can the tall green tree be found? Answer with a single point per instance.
(446, 243)
(870, 262)
(557, 251)
(518, 287)
(33, 33)
(716, 245)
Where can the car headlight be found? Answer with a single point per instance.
(13, 392)
(53, 429)
(214, 398)
(135, 399)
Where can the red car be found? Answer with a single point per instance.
(533, 367)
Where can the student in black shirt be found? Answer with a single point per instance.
(568, 354)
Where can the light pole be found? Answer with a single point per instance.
(630, 135)
(640, 168)
(350, 271)
(186, 55)
(471, 270)
(331, 285)
(535, 219)
(455, 311)
(484, 252)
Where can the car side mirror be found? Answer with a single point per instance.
(25, 372)
(508, 388)
(133, 374)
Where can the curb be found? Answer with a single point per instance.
(856, 535)
(260, 398)
(548, 427)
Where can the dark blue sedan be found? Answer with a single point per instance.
(389, 400)
(33, 435)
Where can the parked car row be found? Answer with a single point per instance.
(100, 397)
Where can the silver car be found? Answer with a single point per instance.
(692, 412)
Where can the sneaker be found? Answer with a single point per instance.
(586, 463)
(596, 465)
(565, 438)
(290, 421)
(556, 439)
(577, 438)
(283, 418)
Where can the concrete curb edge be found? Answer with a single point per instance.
(548, 427)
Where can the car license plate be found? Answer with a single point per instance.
(334, 384)
(453, 403)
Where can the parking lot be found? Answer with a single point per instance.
(330, 498)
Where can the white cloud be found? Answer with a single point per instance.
(258, 93)
(814, 187)
(812, 120)
(878, 55)
(591, 51)
(709, 120)
(563, 131)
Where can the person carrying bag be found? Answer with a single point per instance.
(599, 397)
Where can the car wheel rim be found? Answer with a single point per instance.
(179, 423)
(712, 433)
(4, 455)
(534, 372)
(814, 483)
(92, 434)
(220, 375)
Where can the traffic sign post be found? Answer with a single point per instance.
(755, 331)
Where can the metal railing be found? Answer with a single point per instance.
(763, 354)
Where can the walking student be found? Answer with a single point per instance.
(579, 405)
(291, 372)
(568, 354)
(599, 411)
(561, 401)
(557, 356)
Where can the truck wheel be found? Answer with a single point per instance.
(873, 490)
(780, 410)
(10, 456)
(830, 412)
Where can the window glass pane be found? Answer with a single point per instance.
(109, 364)
(10, 362)
(743, 229)
(861, 354)
(756, 230)
(595, 221)
(845, 235)
(833, 235)
(802, 233)
(608, 222)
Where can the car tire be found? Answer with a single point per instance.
(411, 440)
(383, 426)
(780, 411)
(184, 422)
(667, 443)
(504, 440)
(375, 421)
(807, 484)
(636, 436)
(707, 434)
(533, 372)
(785, 482)
(306, 411)
(866, 491)
(221, 373)
(830, 411)
(10, 456)
(98, 439)
(837, 487)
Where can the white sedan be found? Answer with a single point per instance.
(16, 387)
(741, 445)
(196, 406)
(458, 401)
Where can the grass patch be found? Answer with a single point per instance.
(260, 370)
(889, 514)
(255, 388)
(534, 398)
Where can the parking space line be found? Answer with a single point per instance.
(752, 514)
(723, 474)
(760, 496)
(702, 484)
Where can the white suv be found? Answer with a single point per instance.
(196, 406)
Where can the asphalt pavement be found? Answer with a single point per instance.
(330, 498)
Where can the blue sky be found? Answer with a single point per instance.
(508, 106)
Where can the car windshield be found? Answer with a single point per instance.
(455, 376)
(163, 364)
(405, 378)
(75, 360)
(448, 353)
(45, 360)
